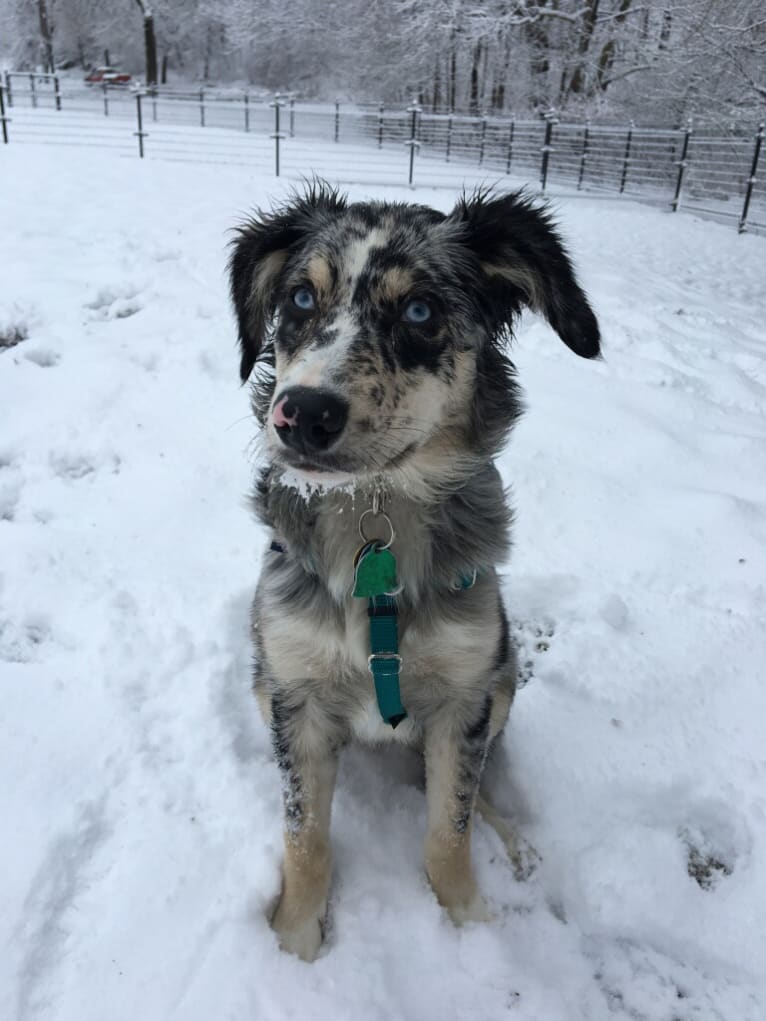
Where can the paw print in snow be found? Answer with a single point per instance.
(11, 334)
(115, 303)
(43, 357)
(706, 863)
(80, 466)
(532, 639)
(19, 642)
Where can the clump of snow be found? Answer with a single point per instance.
(141, 807)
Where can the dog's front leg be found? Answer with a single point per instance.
(308, 764)
(455, 748)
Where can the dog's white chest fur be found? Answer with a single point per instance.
(369, 726)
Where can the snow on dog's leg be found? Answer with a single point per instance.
(454, 756)
(308, 775)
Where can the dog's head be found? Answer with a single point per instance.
(384, 325)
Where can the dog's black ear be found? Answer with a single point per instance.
(526, 263)
(261, 249)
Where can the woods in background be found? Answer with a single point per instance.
(657, 61)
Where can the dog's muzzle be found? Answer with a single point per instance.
(308, 420)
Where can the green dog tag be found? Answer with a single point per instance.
(375, 573)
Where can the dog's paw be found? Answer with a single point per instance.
(524, 858)
(302, 938)
(522, 855)
(474, 910)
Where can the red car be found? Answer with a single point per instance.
(107, 76)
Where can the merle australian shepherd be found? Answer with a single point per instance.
(384, 393)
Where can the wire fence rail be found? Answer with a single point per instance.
(712, 174)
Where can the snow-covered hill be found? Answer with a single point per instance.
(141, 811)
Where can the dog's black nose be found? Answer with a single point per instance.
(309, 420)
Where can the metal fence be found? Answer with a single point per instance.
(714, 174)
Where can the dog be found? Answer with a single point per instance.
(384, 393)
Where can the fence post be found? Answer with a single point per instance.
(140, 133)
(8, 89)
(106, 99)
(277, 136)
(247, 111)
(510, 147)
(681, 167)
(449, 139)
(3, 119)
(546, 151)
(380, 127)
(292, 116)
(202, 108)
(751, 179)
(412, 141)
(32, 90)
(626, 159)
(482, 140)
(57, 89)
(583, 155)
(337, 119)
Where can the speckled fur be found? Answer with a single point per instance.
(430, 408)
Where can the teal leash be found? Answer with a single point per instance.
(375, 579)
(384, 660)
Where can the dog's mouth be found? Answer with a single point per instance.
(322, 468)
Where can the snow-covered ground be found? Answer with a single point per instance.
(141, 810)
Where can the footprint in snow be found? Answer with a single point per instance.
(532, 639)
(115, 303)
(20, 642)
(708, 860)
(12, 333)
(715, 840)
(10, 486)
(80, 466)
(9, 498)
(43, 357)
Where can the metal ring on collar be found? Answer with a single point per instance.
(386, 518)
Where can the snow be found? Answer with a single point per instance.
(142, 829)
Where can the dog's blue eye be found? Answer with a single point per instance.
(303, 299)
(417, 312)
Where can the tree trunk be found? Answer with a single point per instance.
(605, 61)
(164, 72)
(577, 81)
(538, 39)
(609, 49)
(501, 75)
(473, 102)
(46, 31)
(452, 84)
(208, 52)
(150, 42)
(437, 93)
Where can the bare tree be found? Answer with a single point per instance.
(46, 31)
(150, 42)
